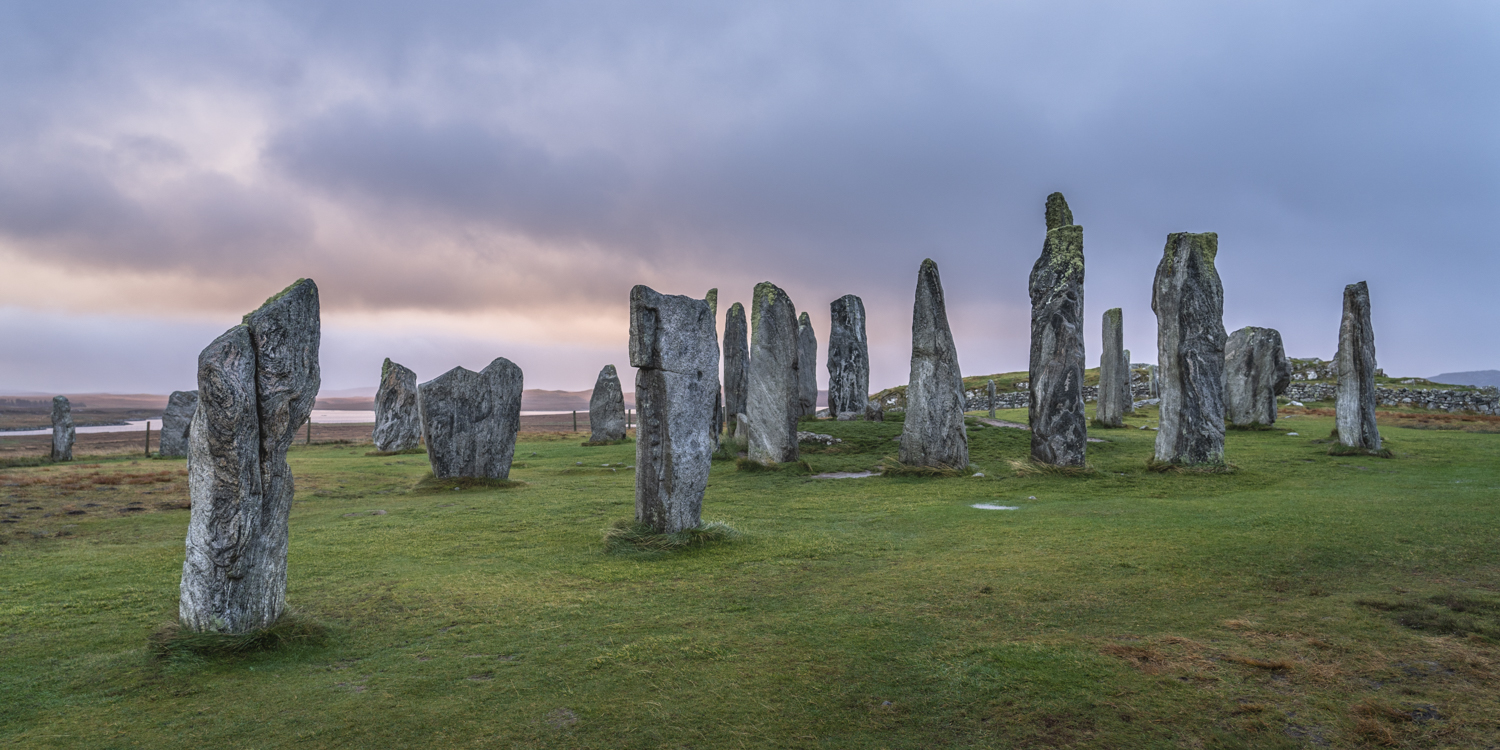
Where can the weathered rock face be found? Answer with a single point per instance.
(990, 389)
(934, 433)
(807, 366)
(177, 422)
(1256, 371)
(1059, 431)
(256, 384)
(398, 415)
(736, 362)
(1114, 373)
(62, 429)
(470, 420)
(1189, 304)
(1129, 385)
(774, 401)
(673, 347)
(716, 421)
(1355, 403)
(607, 408)
(848, 356)
(874, 412)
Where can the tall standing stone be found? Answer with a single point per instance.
(773, 403)
(1189, 304)
(990, 388)
(607, 408)
(62, 429)
(398, 415)
(673, 347)
(848, 357)
(736, 363)
(807, 366)
(1354, 402)
(1059, 431)
(257, 384)
(1129, 385)
(1256, 371)
(1114, 373)
(934, 433)
(177, 423)
(470, 420)
(716, 424)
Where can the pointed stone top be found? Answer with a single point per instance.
(736, 310)
(1206, 243)
(803, 321)
(608, 372)
(303, 286)
(713, 301)
(928, 266)
(1058, 214)
(766, 294)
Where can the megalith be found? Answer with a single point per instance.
(1256, 371)
(990, 389)
(673, 347)
(807, 366)
(607, 408)
(470, 420)
(736, 363)
(62, 429)
(1354, 400)
(1129, 385)
(1114, 373)
(1188, 300)
(398, 417)
(176, 423)
(716, 420)
(1059, 430)
(934, 432)
(256, 386)
(773, 402)
(848, 356)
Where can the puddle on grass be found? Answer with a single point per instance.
(844, 475)
(988, 506)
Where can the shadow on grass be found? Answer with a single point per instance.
(1459, 614)
(746, 464)
(1029, 468)
(173, 642)
(1167, 467)
(403, 452)
(431, 484)
(626, 536)
(598, 443)
(890, 467)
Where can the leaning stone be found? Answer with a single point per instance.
(1256, 371)
(470, 420)
(807, 366)
(736, 363)
(176, 423)
(773, 402)
(1189, 304)
(1354, 402)
(673, 347)
(1114, 373)
(934, 432)
(398, 416)
(1059, 431)
(848, 356)
(607, 408)
(62, 429)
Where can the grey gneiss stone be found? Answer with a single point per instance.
(934, 432)
(398, 416)
(807, 364)
(1256, 371)
(1059, 432)
(1189, 304)
(1354, 404)
(256, 384)
(470, 420)
(177, 422)
(773, 402)
(848, 356)
(716, 422)
(1129, 385)
(990, 391)
(1114, 373)
(62, 429)
(736, 363)
(607, 407)
(673, 347)
(874, 412)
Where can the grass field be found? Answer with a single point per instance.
(1304, 600)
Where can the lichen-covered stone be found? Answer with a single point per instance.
(990, 391)
(607, 407)
(1059, 430)
(62, 429)
(398, 415)
(177, 423)
(1354, 404)
(674, 348)
(807, 366)
(1188, 300)
(773, 402)
(736, 363)
(934, 432)
(1256, 371)
(848, 356)
(470, 420)
(1114, 373)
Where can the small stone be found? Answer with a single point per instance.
(848, 416)
(1291, 434)
(607, 408)
(176, 422)
(874, 412)
(934, 434)
(398, 417)
(978, 474)
(848, 356)
(62, 429)
(470, 420)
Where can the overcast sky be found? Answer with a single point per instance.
(473, 180)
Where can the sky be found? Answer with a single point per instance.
(469, 180)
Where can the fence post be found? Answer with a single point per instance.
(575, 420)
(148, 438)
(309, 431)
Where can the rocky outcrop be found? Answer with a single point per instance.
(736, 363)
(934, 432)
(807, 366)
(1114, 373)
(848, 356)
(62, 429)
(773, 403)
(470, 420)
(398, 415)
(607, 408)
(1256, 371)
(1189, 303)
(1355, 403)
(1059, 430)
(177, 423)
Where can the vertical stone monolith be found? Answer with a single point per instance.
(607, 408)
(470, 420)
(1188, 300)
(62, 429)
(1114, 373)
(1354, 402)
(716, 422)
(176, 423)
(990, 389)
(934, 434)
(736, 363)
(1129, 385)
(807, 366)
(773, 402)
(674, 348)
(1256, 371)
(398, 415)
(848, 357)
(1059, 430)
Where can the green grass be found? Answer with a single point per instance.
(1304, 599)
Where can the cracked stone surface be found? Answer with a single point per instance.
(1059, 431)
(1188, 300)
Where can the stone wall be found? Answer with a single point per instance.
(1438, 399)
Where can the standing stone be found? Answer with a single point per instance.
(398, 417)
(257, 384)
(773, 402)
(1129, 385)
(672, 344)
(62, 429)
(1189, 304)
(470, 420)
(736, 363)
(716, 423)
(607, 408)
(1114, 373)
(934, 433)
(807, 366)
(1059, 430)
(848, 356)
(1354, 402)
(177, 422)
(1256, 371)
(1153, 381)
(990, 388)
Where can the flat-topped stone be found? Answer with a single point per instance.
(1188, 300)
(1114, 373)
(1354, 404)
(774, 400)
(848, 356)
(1256, 371)
(62, 429)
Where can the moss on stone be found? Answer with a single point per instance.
(1064, 251)
(713, 302)
(272, 298)
(1058, 213)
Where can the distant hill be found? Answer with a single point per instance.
(1476, 378)
(532, 399)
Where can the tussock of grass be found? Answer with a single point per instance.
(891, 467)
(431, 483)
(625, 535)
(1166, 467)
(1462, 614)
(1029, 468)
(171, 640)
(20, 461)
(404, 452)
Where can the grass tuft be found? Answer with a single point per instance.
(430, 484)
(171, 640)
(403, 452)
(1166, 467)
(1029, 468)
(628, 536)
(1339, 449)
(891, 467)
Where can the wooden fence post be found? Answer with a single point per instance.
(148, 438)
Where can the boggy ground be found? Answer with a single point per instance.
(1305, 600)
